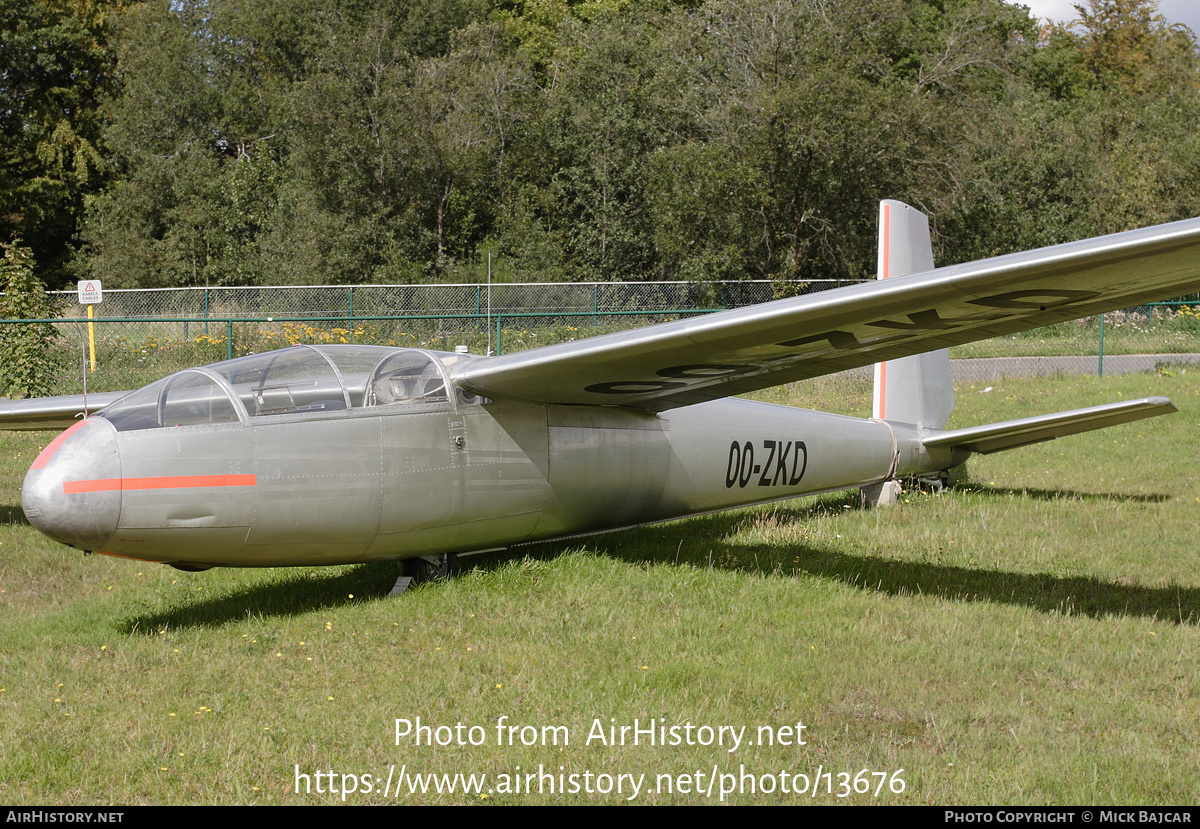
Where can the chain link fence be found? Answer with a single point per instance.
(1156, 336)
(141, 335)
(357, 301)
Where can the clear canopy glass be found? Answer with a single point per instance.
(300, 380)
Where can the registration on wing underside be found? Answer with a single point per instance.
(878, 339)
(730, 352)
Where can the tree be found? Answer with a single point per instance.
(28, 368)
(799, 116)
(1098, 134)
(1127, 44)
(578, 208)
(55, 63)
(302, 140)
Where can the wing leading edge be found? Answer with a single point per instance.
(690, 361)
(52, 413)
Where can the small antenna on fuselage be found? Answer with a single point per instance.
(83, 364)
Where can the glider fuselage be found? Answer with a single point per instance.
(385, 482)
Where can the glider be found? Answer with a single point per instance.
(342, 454)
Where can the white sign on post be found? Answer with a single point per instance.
(90, 292)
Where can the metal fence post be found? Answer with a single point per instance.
(229, 339)
(1100, 367)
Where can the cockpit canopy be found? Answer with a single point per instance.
(304, 379)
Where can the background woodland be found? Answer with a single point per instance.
(209, 142)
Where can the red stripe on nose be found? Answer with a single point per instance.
(171, 482)
(46, 454)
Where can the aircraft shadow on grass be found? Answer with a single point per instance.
(700, 542)
(301, 591)
(1067, 595)
(12, 515)
(1066, 494)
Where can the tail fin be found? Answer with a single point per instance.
(913, 389)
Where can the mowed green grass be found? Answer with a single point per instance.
(1031, 637)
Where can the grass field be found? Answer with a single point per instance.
(1031, 637)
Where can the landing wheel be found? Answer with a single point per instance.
(187, 566)
(928, 483)
(431, 568)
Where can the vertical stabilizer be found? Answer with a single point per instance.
(913, 389)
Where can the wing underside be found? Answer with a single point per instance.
(690, 361)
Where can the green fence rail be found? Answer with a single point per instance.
(356, 301)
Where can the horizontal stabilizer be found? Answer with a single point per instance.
(51, 413)
(1028, 430)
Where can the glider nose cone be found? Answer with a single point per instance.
(72, 492)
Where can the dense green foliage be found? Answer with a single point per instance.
(29, 365)
(349, 141)
(55, 65)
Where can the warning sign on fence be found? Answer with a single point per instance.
(89, 292)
